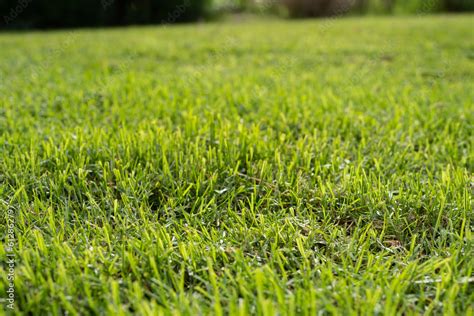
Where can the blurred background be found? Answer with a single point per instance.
(30, 14)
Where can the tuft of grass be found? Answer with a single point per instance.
(291, 168)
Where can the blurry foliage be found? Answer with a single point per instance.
(73, 13)
(416, 6)
(307, 8)
(460, 5)
(303, 8)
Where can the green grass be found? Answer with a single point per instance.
(310, 167)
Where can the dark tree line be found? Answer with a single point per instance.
(74, 13)
(306, 8)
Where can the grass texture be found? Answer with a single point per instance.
(267, 168)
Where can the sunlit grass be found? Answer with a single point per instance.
(264, 168)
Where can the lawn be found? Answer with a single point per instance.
(270, 167)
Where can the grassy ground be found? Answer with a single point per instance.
(276, 167)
